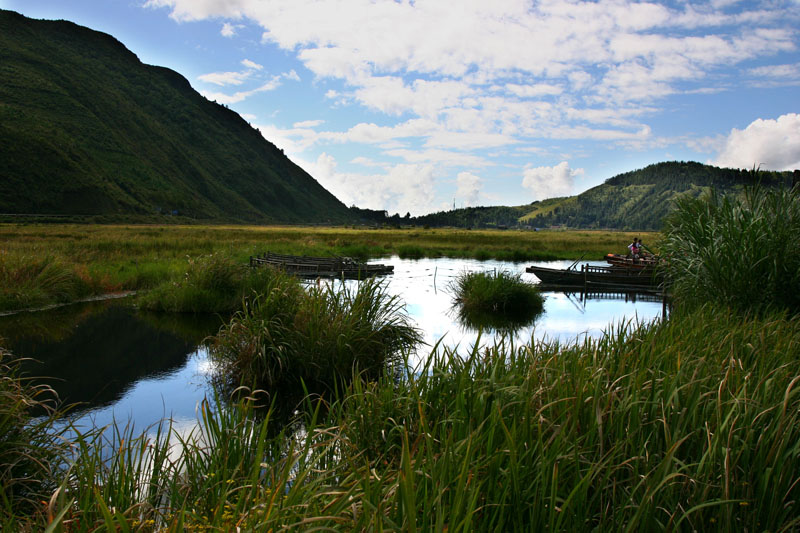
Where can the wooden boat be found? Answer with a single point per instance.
(627, 261)
(321, 267)
(590, 276)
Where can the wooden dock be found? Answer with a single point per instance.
(321, 267)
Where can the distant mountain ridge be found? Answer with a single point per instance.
(87, 129)
(89, 132)
(636, 200)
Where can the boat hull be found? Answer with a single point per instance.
(321, 267)
(589, 276)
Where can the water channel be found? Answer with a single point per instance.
(129, 366)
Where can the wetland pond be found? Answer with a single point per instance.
(130, 366)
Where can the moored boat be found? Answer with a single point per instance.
(590, 276)
(321, 267)
(629, 262)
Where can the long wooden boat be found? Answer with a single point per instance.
(630, 262)
(321, 267)
(590, 276)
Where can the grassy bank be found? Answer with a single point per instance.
(692, 424)
(110, 258)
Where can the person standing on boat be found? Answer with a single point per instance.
(634, 249)
(644, 250)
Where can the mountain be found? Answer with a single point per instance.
(87, 129)
(637, 200)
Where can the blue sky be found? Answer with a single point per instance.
(413, 106)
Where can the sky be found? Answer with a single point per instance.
(416, 106)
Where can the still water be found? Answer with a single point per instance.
(120, 364)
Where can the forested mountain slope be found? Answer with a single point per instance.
(87, 129)
(637, 200)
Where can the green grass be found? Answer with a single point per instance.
(690, 424)
(289, 339)
(210, 284)
(499, 300)
(104, 259)
(29, 448)
(738, 252)
(28, 281)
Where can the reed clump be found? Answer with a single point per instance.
(30, 281)
(210, 283)
(736, 251)
(495, 299)
(29, 447)
(287, 337)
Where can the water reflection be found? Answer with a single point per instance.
(92, 354)
(130, 366)
(424, 286)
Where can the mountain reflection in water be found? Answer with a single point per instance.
(98, 350)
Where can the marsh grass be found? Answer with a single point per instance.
(736, 251)
(29, 446)
(410, 251)
(288, 338)
(117, 257)
(496, 300)
(689, 424)
(210, 284)
(29, 281)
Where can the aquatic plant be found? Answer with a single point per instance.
(688, 424)
(497, 300)
(29, 447)
(211, 283)
(287, 337)
(410, 251)
(736, 251)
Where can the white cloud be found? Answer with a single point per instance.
(644, 47)
(548, 182)
(766, 143)
(445, 85)
(469, 188)
(532, 91)
(224, 98)
(402, 188)
(308, 124)
(232, 78)
(251, 64)
(225, 78)
(775, 75)
(228, 30)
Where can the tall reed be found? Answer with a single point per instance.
(286, 337)
(210, 283)
(29, 446)
(738, 252)
(499, 300)
(689, 424)
(692, 424)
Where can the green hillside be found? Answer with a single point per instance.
(637, 200)
(87, 129)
